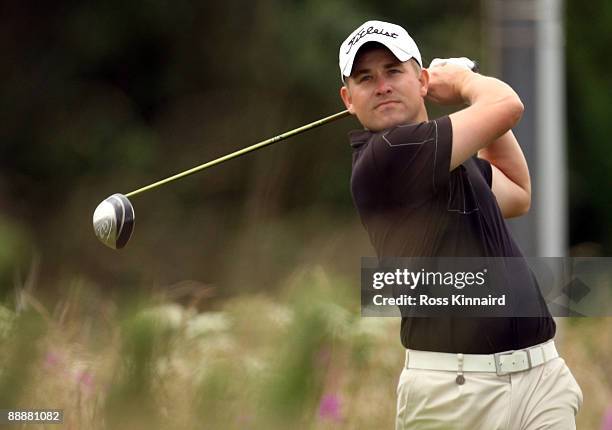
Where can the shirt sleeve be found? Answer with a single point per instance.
(485, 168)
(414, 159)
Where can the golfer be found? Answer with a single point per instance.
(443, 187)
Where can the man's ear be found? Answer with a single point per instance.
(345, 94)
(424, 79)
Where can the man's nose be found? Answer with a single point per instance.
(382, 86)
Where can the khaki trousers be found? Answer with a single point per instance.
(545, 397)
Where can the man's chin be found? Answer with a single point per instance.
(389, 123)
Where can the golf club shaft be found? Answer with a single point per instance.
(241, 152)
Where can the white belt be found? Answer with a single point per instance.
(501, 363)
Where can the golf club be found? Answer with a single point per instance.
(113, 219)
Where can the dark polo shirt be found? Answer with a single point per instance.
(412, 206)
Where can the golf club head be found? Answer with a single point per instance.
(113, 221)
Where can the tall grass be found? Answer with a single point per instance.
(301, 359)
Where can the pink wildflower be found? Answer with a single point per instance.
(85, 380)
(51, 360)
(329, 407)
(606, 422)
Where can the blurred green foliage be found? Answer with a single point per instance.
(15, 252)
(20, 355)
(301, 358)
(256, 362)
(589, 85)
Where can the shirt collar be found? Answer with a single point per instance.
(359, 137)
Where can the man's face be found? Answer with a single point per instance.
(384, 92)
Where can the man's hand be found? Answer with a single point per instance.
(446, 78)
(460, 61)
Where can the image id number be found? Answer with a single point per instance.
(38, 416)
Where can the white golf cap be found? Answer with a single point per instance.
(390, 35)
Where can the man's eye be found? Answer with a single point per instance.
(365, 78)
(394, 71)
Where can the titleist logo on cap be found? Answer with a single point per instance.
(370, 30)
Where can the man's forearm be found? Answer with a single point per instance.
(476, 88)
(511, 184)
(505, 153)
(494, 108)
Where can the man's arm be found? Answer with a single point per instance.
(511, 183)
(484, 127)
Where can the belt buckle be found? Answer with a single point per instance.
(498, 369)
